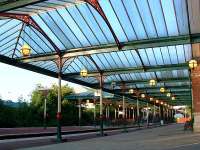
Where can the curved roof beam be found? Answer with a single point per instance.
(30, 21)
(95, 4)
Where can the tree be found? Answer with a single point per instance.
(38, 97)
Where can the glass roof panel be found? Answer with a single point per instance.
(151, 56)
(135, 19)
(170, 17)
(48, 31)
(146, 17)
(144, 57)
(181, 15)
(93, 24)
(113, 19)
(188, 52)
(121, 13)
(49, 19)
(158, 18)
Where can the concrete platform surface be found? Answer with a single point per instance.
(171, 137)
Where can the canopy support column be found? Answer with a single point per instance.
(59, 136)
(101, 104)
(138, 113)
(79, 113)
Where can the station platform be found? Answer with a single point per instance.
(171, 137)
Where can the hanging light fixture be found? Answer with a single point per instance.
(131, 91)
(152, 82)
(161, 103)
(193, 64)
(113, 84)
(157, 101)
(84, 73)
(26, 50)
(168, 94)
(151, 98)
(143, 95)
(162, 89)
(165, 104)
(173, 98)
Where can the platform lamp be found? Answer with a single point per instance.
(193, 64)
(151, 99)
(143, 95)
(152, 82)
(84, 73)
(162, 89)
(168, 94)
(26, 50)
(157, 101)
(173, 98)
(131, 91)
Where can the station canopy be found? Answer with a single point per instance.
(129, 42)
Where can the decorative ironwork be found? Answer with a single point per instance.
(29, 21)
(95, 4)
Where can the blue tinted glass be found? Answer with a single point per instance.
(144, 57)
(158, 17)
(107, 8)
(173, 54)
(135, 19)
(187, 48)
(180, 52)
(165, 54)
(181, 15)
(48, 18)
(77, 16)
(170, 17)
(146, 17)
(51, 35)
(125, 22)
(85, 10)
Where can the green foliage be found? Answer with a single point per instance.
(31, 114)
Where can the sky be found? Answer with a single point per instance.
(16, 82)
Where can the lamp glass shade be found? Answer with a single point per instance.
(152, 82)
(162, 90)
(131, 91)
(168, 94)
(157, 101)
(151, 98)
(83, 73)
(173, 98)
(193, 64)
(143, 95)
(161, 103)
(26, 50)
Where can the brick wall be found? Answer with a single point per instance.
(195, 77)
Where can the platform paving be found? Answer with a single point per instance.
(171, 137)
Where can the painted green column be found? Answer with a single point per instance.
(79, 113)
(58, 116)
(101, 105)
(45, 113)
(138, 113)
